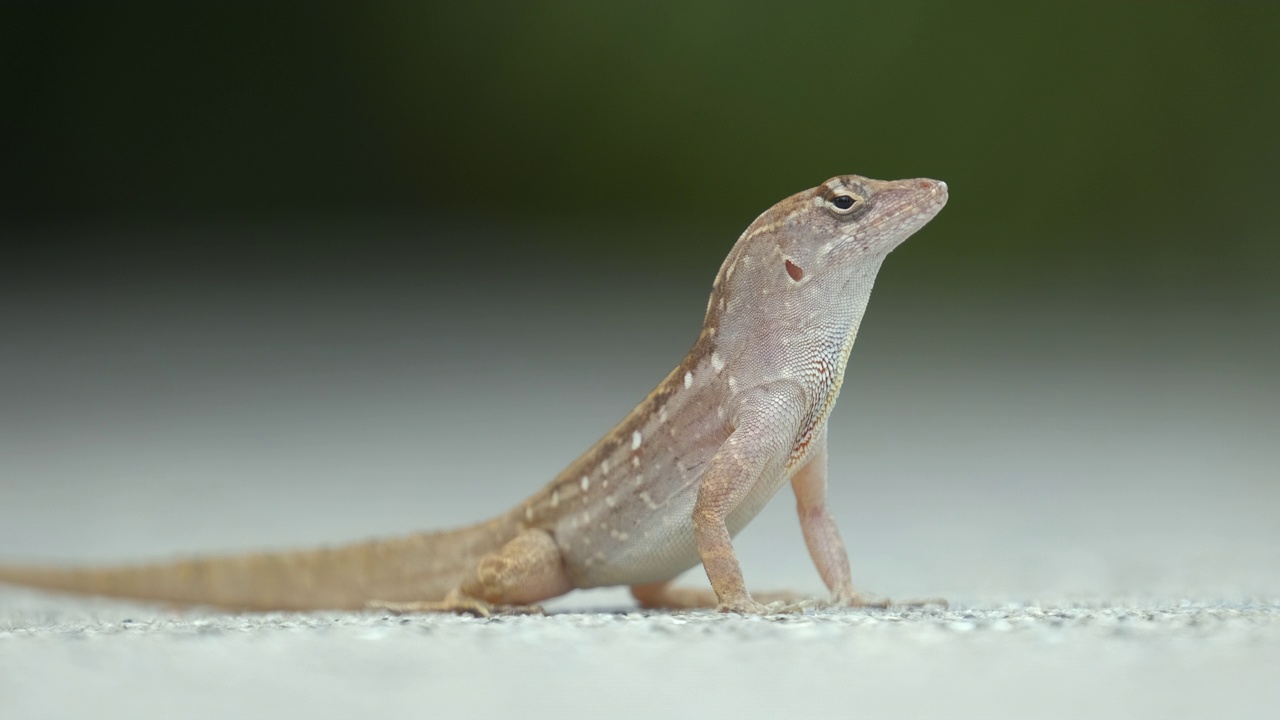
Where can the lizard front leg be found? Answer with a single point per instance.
(821, 535)
(763, 428)
(823, 538)
(525, 571)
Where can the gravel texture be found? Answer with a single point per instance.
(65, 658)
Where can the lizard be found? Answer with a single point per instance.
(743, 413)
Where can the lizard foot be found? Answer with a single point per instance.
(922, 602)
(772, 602)
(745, 606)
(662, 596)
(859, 600)
(458, 605)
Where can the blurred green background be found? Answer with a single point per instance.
(391, 265)
(1120, 148)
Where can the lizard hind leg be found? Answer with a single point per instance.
(665, 596)
(525, 571)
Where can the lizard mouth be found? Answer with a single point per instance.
(900, 209)
(906, 210)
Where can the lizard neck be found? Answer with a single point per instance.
(821, 373)
(659, 449)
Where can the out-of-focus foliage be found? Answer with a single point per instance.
(1139, 136)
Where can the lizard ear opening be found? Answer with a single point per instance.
(795, 271)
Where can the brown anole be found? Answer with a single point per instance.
(742, 414)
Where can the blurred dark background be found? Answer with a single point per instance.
(1104, 145)
(286, 273)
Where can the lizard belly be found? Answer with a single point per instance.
(655, 543)
(656, 547)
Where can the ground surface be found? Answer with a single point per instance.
(1095, 490)
(1134, 660)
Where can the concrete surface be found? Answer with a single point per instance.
(1094, 489)
(60, 660)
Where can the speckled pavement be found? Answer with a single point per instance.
(65, 659)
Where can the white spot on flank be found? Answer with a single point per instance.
(688, 379)
(586, 483)
(636, 439)
(648, 501)
(733, 383)
(610, 500)
(604, 466)
(662, 414)
(604, 483)
(635, 461)
(717, 362)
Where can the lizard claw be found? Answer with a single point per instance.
(923, 602)
(858, 600)
(458, 604)
(743, 606)
(852, 599)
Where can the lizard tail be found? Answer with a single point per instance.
(420, 567)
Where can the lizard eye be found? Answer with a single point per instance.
(843, 203)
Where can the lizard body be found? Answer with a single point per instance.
(744, 413)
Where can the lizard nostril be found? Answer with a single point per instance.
(795, 271)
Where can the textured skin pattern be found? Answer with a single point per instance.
(629, 521)
(743, 413)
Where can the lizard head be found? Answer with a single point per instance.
(862, 218)
(825, 242)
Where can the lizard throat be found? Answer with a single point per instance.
(832, 375)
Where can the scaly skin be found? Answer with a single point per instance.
(742, 414)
